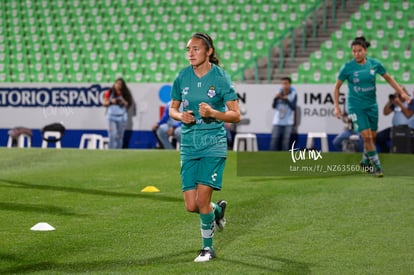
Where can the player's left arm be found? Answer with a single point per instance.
(396, 86)
(232, 115)
(338, 84)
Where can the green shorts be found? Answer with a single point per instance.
(363, 119)
(207, 171)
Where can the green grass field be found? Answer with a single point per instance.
(352, 224)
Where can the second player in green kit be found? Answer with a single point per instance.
(362, 105)
(208, 100)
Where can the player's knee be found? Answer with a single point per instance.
(202, 204)
(368, 139)
(191, 207)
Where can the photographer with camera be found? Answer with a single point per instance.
(284, 104)
(117, 100)
(165, 128)
(393, 105)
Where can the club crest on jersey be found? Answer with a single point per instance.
(185, 91)
(211, 92)
(372, 71)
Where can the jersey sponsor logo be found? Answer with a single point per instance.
(205, 120)
(364, 90)
(211, 92)
(206, 141)
(368, 89)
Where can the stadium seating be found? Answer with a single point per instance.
(389, 26)
(144, 41)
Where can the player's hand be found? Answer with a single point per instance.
(205, 110)
(338, 112)
(187, 117)
(155, 127)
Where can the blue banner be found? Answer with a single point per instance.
(56, 96)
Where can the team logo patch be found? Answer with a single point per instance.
(372, 71)
(211, 92)
(185, 91)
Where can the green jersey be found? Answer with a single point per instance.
(207, 136)
(361, 82)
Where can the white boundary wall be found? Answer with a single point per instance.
(78, 106)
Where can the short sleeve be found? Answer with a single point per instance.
(107, 94)
(380, 68)
(342, 73)
(229, 93)
(175, 91)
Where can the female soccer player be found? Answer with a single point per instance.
(362, 105)
(204, 90)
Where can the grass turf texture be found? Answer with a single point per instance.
(353, 224)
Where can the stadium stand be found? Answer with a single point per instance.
(388, 25)
(144, 41)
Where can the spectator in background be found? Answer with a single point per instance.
(167, 127)
(132, 112)
(231, 131)
(117, 100)
(394, 105)
(283, 121)
(344, 136)
(407, 110)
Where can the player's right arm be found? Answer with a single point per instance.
(396, 87)
(338, 112)
(185, 117)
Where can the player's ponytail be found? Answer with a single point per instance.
(361, 41)
(208, 42)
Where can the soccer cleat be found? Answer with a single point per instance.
(220, 221)
(206, 254)
(378, 172)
